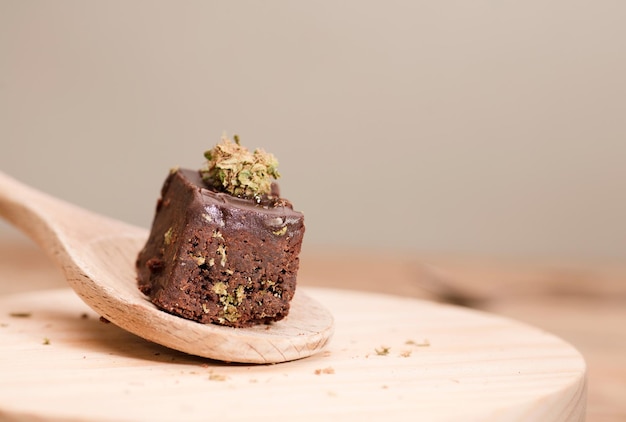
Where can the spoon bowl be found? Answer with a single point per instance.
(97, 255)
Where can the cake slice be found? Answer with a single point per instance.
(216, 257)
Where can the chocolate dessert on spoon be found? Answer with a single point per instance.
(258, 316)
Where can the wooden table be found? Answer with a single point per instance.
(583, 303)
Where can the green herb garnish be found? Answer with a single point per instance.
(232, 168)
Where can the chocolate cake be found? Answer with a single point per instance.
(214, 257)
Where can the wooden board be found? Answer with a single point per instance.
(391, 359)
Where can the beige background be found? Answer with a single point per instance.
(490, 127)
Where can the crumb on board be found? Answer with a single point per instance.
(424, 343)
(20, 314)
(46, 341)
(405, 353)
(382, 351)
(217, 377)
(327, 370)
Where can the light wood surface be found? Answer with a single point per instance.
(581, 302)
(97, 255)
(391, 359)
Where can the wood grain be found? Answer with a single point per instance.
(391, 358)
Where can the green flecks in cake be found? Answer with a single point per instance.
(229, 313)
(200, 260)
(167, 237)
(230, 301)
(272, 288)
(232, 168)
(240, 294)
(220, 288)
(280, 232)
(268, 283)
(221, 250)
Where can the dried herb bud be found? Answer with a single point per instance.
(234, 169)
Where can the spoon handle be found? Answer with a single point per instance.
(50, 222)
(26, 208)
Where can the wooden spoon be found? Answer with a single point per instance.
(98, 256)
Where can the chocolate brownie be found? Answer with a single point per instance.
(217, 258)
